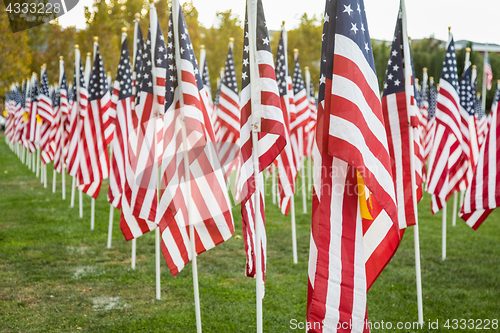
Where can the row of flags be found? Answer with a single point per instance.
(172, 151)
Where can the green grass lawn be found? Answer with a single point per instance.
(56, 275)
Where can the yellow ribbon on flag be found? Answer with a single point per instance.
(5, 113)
(363, 205)
(25, 117)
(38, 119)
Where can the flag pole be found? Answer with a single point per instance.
(443, 245)
(300, 134)
(134, 51)
(416, 240)
(61, 128)
(255, 100)
(44, 175)
(483, 94)
(92, 200)
(309, 148)
(273, 186)
(54, 180)
(187, 177)
(455, 207)
(153, 19)
(73, 186)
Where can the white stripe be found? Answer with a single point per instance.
(348, 132)
(397, 145)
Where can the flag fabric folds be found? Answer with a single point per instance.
(483, 193)
(286, 162)
(93, 153)
(121, 102)
(352, 168)
(228, 118)
(194, 205)
(260, 113)
(448, 158)
(61, 137)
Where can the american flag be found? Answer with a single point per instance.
(397, 109)
(488, 71)
(482, 195)
(352, 149)
(198, 203)
(302, 106)
(46, 112)
(78, 108)
(448, 158)
(54, 129)
(61, 138)
(93, 153)
(310, 128)
(467, 112)
(424, 109)
(431, 120)
(121, 102)
(205, 77)
(17, 111)
(149, 104)
(286, 162)
(228, 118)
(137, 59)
(32, 105)
(260, 113)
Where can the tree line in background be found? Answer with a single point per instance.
(24, 52)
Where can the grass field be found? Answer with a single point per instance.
(56, 275)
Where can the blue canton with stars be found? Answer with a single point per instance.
(206, 76)
(466, 92)
(347, 18)
(34, 90)
(186, 52)
(298, 81)
(432, 100)
(56, 98)
(449, 72)
(394, 75)
(124, 75)
(229, 79)
(263, 43)
(171, 78)
(281, 69)
(98, 85)
(138, 54)
(23, 95)
(44, 88)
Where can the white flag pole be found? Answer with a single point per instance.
(80, 203)
(187, 175)
(92, 213)
(87, 80)
(73, 187)
(443, 245)
(255, 100)
(134, 54)
(409, 87)
(153, 23)
(483, 94)
(44, 175)
(273, 184)
(309, 148)
(54, 180)
(61, 130)
(455, 207)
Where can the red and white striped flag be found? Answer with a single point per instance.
(310, 129)
(488, 71)
(302, 120)
(30, 133)
(260, 113)
(285, 162)
(194, 204)
(449, 156)
(61, 136)
(47, 114)
(78, 107)
(149, 104)
(399, 112)
(140, 199)
(482, 195)
(352, 154)
(121, 102)
(431, 120)
(228, 118)
(93, 153)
